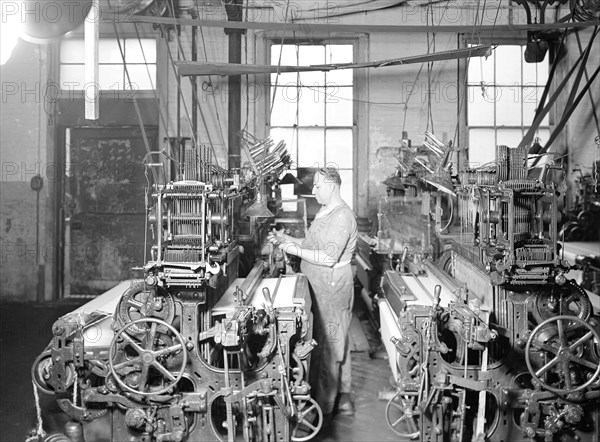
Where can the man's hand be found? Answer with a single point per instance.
(277, 236)
(284, 242)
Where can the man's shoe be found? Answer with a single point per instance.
(345, 405)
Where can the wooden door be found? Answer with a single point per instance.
(104, 225)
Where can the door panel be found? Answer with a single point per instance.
(104, 206)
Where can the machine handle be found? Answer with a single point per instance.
(267, 295)
(437, 291)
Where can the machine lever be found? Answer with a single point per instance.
(437, 291)
(267, 295)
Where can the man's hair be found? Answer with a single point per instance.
(330, 175)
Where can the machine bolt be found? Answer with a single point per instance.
(529, 432)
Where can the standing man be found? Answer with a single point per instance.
(326, 253)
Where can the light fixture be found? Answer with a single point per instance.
(288, 178)
(258, 209)
(394, 182)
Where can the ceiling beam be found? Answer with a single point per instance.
(356, 28)
(186, 68)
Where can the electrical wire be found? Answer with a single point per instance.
(134, 99)
(411, 92)
(218, 116)
(163, 120)
(287, 6)
(463, 96)
(180, 47)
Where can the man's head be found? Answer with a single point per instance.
(326, 186)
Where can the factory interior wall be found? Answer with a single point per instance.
(29, 125)
(24, 212)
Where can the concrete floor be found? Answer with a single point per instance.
(26, 330)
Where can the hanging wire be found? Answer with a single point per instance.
(134, 99)
(218, 115)
(164, 121)
(287, 6)
(180, 48)
(414, 84)
(463, 96)
(246, 77)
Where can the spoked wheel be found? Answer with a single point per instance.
(137, 303)
(308, 420)
(570, 299)
(402, 416)
(566, 341)
(138, 365)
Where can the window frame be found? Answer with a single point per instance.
(502, 39)
(116, 94)
(359, 111)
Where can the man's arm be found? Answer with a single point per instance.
(278, 237)
(333, 242)
(323, 257)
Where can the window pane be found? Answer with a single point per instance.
(480, 109)
(339, 147)
(311, 152)
(288, 54)
(339, 54)
(535, 73)
(72, 51)
(508, 65)
(284, 107)
(482, 146)
(309, 55)
(289, 57)
(109, 51)
(140, 78)
(481, 69)
(341, 77)
(135, 50)
(531, 99)
(111, 76)
(339, 106)
(346, 190)
(72, 77)
(508, 106)
(311, 107)
(285, 79)
(509, 137)
(289, 136)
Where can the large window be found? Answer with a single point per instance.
(313, 111)
(140, 56)
(503, 94)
